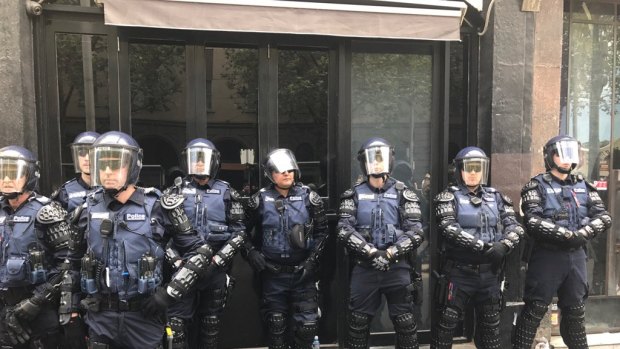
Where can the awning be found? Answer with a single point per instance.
(405, 19)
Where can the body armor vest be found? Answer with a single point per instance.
(280, 215)
(76, 194)
(378, 217)
(566, 205)
(129, 258)
(481, 220)
(24, 258)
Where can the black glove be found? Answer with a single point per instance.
(577, 240)
(28, 309)
(17, 331)
(496, 251)
(381, 261)
(75, 333)
(306, 270)
(257, 260)
(157, 304)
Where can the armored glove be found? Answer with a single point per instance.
(496, 251)
(28, 309)
(577, 239)
(306, 271)
(17, 330)
(257, 260)
(381, 261)
(157, 304)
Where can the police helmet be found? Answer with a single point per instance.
(471, 159)
(201, 158)
(376, 157)
(112, 151)
(15, 163)
(80, 147)
(567, 148)
(280, 160)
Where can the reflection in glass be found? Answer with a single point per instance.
(391, 98)
(158, 118)
(82, 62)
(232, 107)
(589, 120)
(86, 3)
(593, 11)
(302, 112)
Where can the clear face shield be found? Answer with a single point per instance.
(475, 171)
(13, 174)
(199, 161)
(377, 160)
(111, 166)
(282, 161)
(568, 151)
(81, 158)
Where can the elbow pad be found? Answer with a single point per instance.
(187, 277)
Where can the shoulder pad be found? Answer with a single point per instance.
(399, 185)
(507, 199)
(444, 196)
(547, 177)
(42, 199)
(410, 195)
(579, 177)
(453, 188)
(490, 190)
(315, 198)
(254, 200)
(170, 201)
(51, 213)
(54, 195)
(532, 184)
(347, 194)
(234, 194)
(591, 186)
(152, 191)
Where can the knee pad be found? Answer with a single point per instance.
(527, 324)
(276, 325)
(209, 332)
(444, 330)
(572, 326)
(359, 325)
(487, 333)
(305, 332)
(406, 331)
(216, 299)
(177, 325)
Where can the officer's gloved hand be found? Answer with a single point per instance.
(157, 304)
(306, 271)
(257, 260)
(577, 239)
(28, 309)
(496, 251)
(17, 330)
(381, 261)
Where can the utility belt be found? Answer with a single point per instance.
(475, 268)
(554, 247)
(276, 268)
(14, 295)
(111, 302)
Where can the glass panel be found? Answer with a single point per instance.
(232, 107)
(593, 11)
(87, 3)
(158, 101)
(614, 284)
(82, 62)
(589, 120)
(391, 98)
(458, 100)
(302, 112)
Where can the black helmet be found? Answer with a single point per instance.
(15, 163)
(280, 160)
(111, 151)
(80, 147)
(471, 159)
(376, 157)
(201, 150)
(566, 147)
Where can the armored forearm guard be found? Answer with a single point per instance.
(596, 226)
(512, 236)
(173, 205)
(186, 278)
(401, 248)
(356, 245)
(461, 238)
(318, 212)
(224, 256)
(545, 230)
(315, 255)
(58, 230)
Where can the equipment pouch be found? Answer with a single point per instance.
(17, 269)
(297, 236)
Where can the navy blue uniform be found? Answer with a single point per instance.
(123, 265)
(372, 221)
(215, 213)
(29, 258)
(284, 286)
(561, 216)
(478, 228)
(72, 194)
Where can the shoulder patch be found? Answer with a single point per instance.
(254, 201)
(315, 199)
(51, 213)
(170, 201)
(410, 195)
(507, 199)
(532, 184)
(347, 194)
(234, 194)
(152, 191)
(42, 199)
(444, 196)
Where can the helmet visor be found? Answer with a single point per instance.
(282, 160)
(13, 173)
(111, 166)
(199, 160)
(475, 171)
(568, 151)
(377, 160)
(81, 158)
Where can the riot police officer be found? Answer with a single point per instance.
(72, 194)
(562, 212)
(214, 210)
(33, 236)
(478, 227)
(124, 229)
(291, 228)
(380, 224)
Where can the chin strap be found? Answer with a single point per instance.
(11, 196)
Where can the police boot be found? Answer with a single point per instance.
(276, 325)
(444, 330)
(527, 324)
(179, 335)
(406, 331)
(572, 326)
(487, 332)
(209, 332)
(359, 325)
(304, 334)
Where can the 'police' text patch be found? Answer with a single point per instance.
(135, 217)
